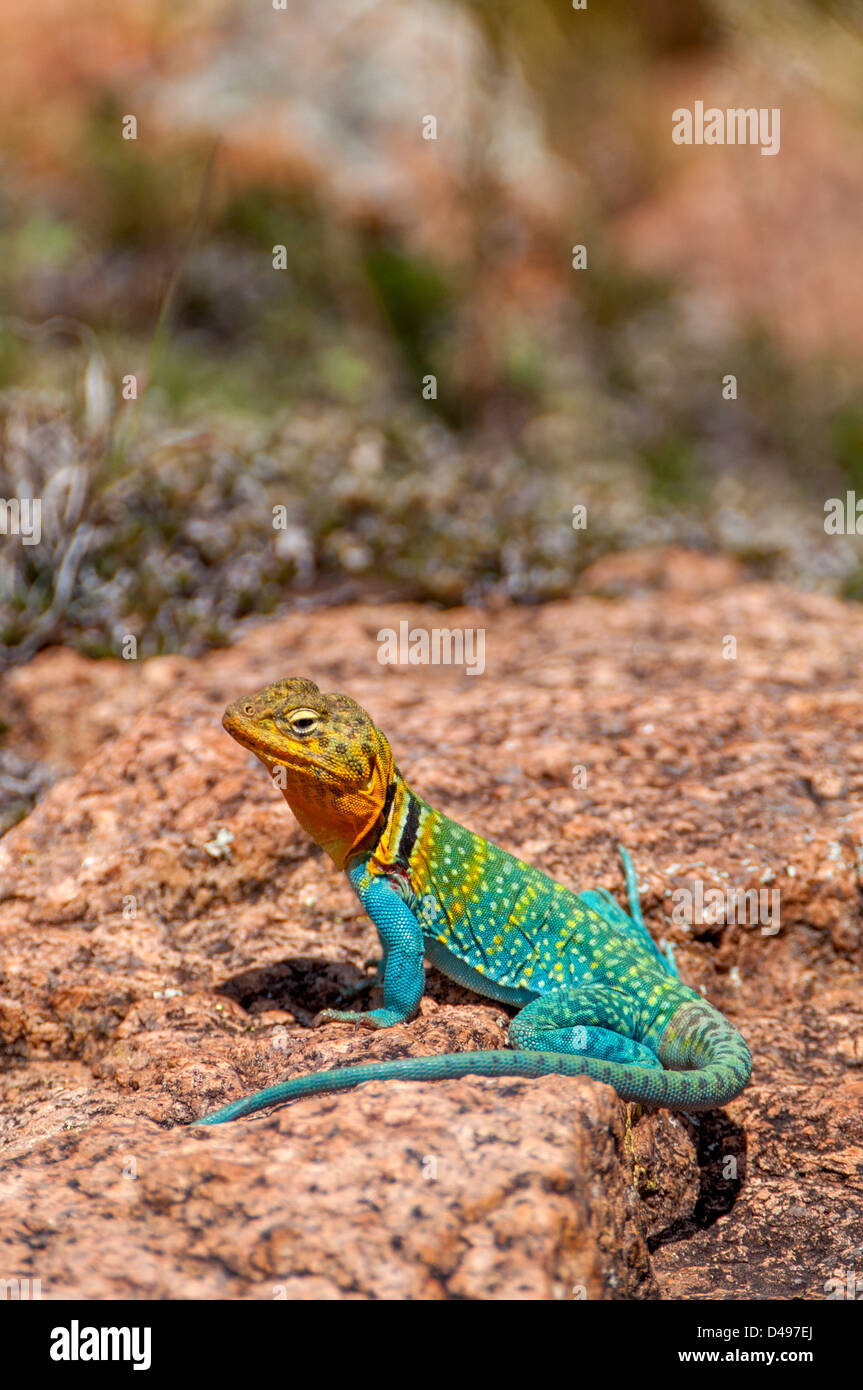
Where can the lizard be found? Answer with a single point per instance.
(596, 996)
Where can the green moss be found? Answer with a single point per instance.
(673, 472)
(612, 293)
(852, 587)
(41, 242)
(419, 303)
(12, 357)
(344, 374)
(846, 433)
(143, 195)
(524, 366)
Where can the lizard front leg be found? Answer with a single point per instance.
(402, 965)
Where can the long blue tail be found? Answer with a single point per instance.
(705, 1061)
(715, 1057)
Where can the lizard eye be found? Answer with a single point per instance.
(303, 721)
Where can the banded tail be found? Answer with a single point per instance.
(706, 1063)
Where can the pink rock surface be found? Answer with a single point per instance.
(143, 981)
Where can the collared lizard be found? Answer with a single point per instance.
(596, 996)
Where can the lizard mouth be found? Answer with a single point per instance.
(241, 726)
(242, 722)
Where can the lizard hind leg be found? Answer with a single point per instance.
(608, 908)
(665, 950)
(573, 1022)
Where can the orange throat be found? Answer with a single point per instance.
(341, 819)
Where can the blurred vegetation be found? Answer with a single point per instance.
(302, 390)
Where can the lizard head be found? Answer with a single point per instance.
(330, 761)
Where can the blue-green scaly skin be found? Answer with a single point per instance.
(597, 997)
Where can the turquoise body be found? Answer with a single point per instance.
(596, 996)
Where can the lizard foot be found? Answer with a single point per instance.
(374, 1018)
